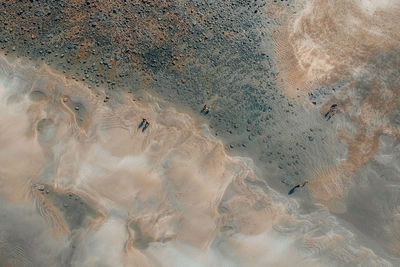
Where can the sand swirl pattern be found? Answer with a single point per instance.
(103, 191)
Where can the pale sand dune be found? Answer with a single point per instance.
(81, 185)
(323, 42)
(353, 43)
(101, 192)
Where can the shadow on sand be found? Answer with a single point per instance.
(297, 186)
(140, 125)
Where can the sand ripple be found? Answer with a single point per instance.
(114, 195)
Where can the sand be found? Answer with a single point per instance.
(103, 192)
(82, 184)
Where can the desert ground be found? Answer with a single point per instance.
(84, 183)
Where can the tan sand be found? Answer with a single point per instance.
(323, 42)
(113, 195)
